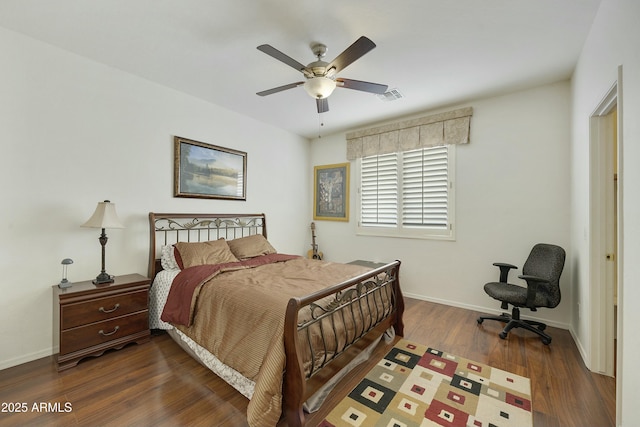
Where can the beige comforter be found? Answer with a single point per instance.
(239, 316)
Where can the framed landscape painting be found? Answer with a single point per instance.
(331, 192)
(208, 171)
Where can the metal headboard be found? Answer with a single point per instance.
(170, 228)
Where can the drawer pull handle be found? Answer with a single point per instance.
(115, 307)
(106, 334)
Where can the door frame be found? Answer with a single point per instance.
(602, 326)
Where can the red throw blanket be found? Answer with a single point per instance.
(186, 286)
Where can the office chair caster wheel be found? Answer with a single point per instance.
(546, 341)
(503, 335)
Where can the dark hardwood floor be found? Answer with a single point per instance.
(158, 384)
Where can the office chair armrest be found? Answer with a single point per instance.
(504, 270)
(532, 288)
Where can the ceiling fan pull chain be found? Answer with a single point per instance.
(320, 124)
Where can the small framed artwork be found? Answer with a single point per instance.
(208, 171)
(331, 192)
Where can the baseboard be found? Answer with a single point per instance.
(485, 310)
(9, 363)
(581, 349)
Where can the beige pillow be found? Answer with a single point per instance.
(201, 253)
(250, 246)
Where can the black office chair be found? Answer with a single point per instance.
(542, 272)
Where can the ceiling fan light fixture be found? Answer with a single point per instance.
(319, 87)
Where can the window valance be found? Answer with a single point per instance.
(451, 127)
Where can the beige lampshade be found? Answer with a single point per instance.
(104, 217)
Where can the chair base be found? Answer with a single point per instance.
(513, 321)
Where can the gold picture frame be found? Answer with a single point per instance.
(331, 192)
(208, 171)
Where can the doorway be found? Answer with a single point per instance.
(605, 202)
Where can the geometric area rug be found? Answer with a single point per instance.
(414, 385)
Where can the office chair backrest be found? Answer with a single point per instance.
(546, 261)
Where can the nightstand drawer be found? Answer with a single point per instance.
(86, 312)
(97, 333)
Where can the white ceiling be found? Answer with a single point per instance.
(435, 52)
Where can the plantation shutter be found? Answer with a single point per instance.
(379, 190)
(425, 188)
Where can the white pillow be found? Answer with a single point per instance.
(168, 258)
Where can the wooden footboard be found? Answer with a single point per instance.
(373, 301)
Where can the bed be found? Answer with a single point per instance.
(281, 329)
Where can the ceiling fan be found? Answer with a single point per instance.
(320, 76)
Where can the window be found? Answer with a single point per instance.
(408, 194)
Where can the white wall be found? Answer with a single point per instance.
(75, 132)
(614, 40)
(512, 191)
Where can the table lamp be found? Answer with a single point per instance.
(104, 217)
(64, 283)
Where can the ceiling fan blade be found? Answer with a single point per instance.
(275, 53)
(363, 86)
(351, 54)
(279, 89)
(323, 105)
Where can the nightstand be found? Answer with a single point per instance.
(91, 319)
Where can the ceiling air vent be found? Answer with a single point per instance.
(391, 95)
